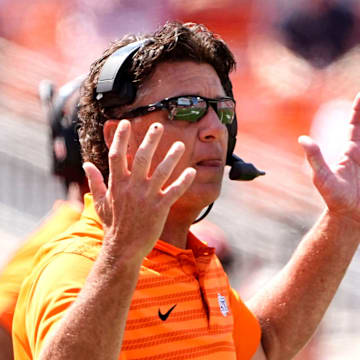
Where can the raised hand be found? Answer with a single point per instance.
(339, 186)
(134, 206)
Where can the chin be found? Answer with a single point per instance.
(197, 198)
(204, 194)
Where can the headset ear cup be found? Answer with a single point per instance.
(130, 94)
(124, 90)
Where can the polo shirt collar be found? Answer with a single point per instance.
(194, 245)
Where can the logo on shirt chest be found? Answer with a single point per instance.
(222, 304)
(162, 316)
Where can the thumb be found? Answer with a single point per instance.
(96, 181)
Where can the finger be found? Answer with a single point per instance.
(165, 168)
(355, 120)
(314, 156)
(356, 109)
(118, 165)
(96, 181)
(175, 190)
(146, 150)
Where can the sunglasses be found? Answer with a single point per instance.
(190, 108)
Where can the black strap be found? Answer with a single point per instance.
(204, 214)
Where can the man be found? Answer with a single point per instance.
(155, 151)
(66, 165)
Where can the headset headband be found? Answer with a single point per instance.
(113, 66)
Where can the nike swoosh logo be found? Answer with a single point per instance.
(163, 317)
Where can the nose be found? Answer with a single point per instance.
(211, 128)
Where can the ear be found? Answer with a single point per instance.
(109, 131)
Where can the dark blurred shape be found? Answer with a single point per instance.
(61, 112)
(320, 33)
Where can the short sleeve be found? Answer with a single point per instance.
(52, 292)
(247, 332)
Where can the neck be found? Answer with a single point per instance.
(177, 227)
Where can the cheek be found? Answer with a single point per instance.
(164, 147)
(225, 141)
(161, 150)
(171, 134)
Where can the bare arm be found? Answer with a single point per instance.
(292, 305)
(6, 348)
(259, 355)
(93, 326)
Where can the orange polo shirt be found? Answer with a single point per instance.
(182, 308)
(61, 217)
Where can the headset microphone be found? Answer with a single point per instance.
(241, 170)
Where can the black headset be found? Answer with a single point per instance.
(115, 87)
(63, 122)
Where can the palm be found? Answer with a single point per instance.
(339, 186)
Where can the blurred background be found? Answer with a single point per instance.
(298, 71)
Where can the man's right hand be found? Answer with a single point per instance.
(134, 206)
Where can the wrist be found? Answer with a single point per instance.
(339, 229)
(120, 256)
(125, 247)
(120, 259)
(342, 219)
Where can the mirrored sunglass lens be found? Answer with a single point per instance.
(226, 116)
(226, 111)
(190, 114)
(189, 109)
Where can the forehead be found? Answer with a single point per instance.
(180, 78)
